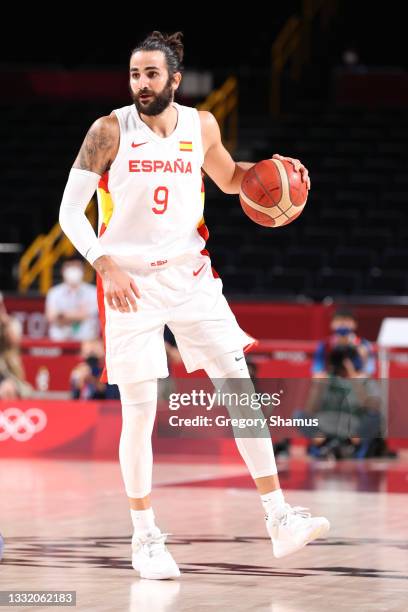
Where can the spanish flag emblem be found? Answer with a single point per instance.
(186, 145)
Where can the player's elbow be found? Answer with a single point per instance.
(228, 188)
(233, 184)
(224, 184)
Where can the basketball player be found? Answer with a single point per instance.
(146, 160)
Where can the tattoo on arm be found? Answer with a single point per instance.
(98, 148)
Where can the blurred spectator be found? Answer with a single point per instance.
(13, 382)
(350, 57)
(85, 377)
(348, 407)
(71, 307)
(350, 60)
(343, 327)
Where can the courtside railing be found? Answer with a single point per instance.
(223, 104)
(38, 261)
(292, 45)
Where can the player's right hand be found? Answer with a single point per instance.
(120, 290)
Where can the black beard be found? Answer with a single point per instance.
(159, 103)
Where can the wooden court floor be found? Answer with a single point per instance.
(66, 527)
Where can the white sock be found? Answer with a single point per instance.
(143, 520)
(272, 501)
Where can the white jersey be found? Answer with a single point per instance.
(151, 201)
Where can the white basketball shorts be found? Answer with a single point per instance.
(188, 298)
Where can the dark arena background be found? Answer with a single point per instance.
(326, 298)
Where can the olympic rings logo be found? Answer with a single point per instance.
(19, 425)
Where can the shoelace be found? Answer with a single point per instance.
(154, 544)
(290, 511)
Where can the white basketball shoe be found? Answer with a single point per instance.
(150, 556)
(292, 527)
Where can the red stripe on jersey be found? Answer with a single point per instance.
(102, 319)
(203, 231)
(251, 345)
(207, 254)
(102, 230)
(104, 182)
(214, 273)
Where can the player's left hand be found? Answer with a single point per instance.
(298, 166)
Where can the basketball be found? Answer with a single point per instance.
(273, 193)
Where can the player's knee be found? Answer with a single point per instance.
(228, 365)
(138, 392)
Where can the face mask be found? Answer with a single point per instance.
(343, 331)
(92, 361)
(73, 275)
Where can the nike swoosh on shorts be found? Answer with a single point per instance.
(199, 270)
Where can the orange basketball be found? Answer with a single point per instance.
(273, 193)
